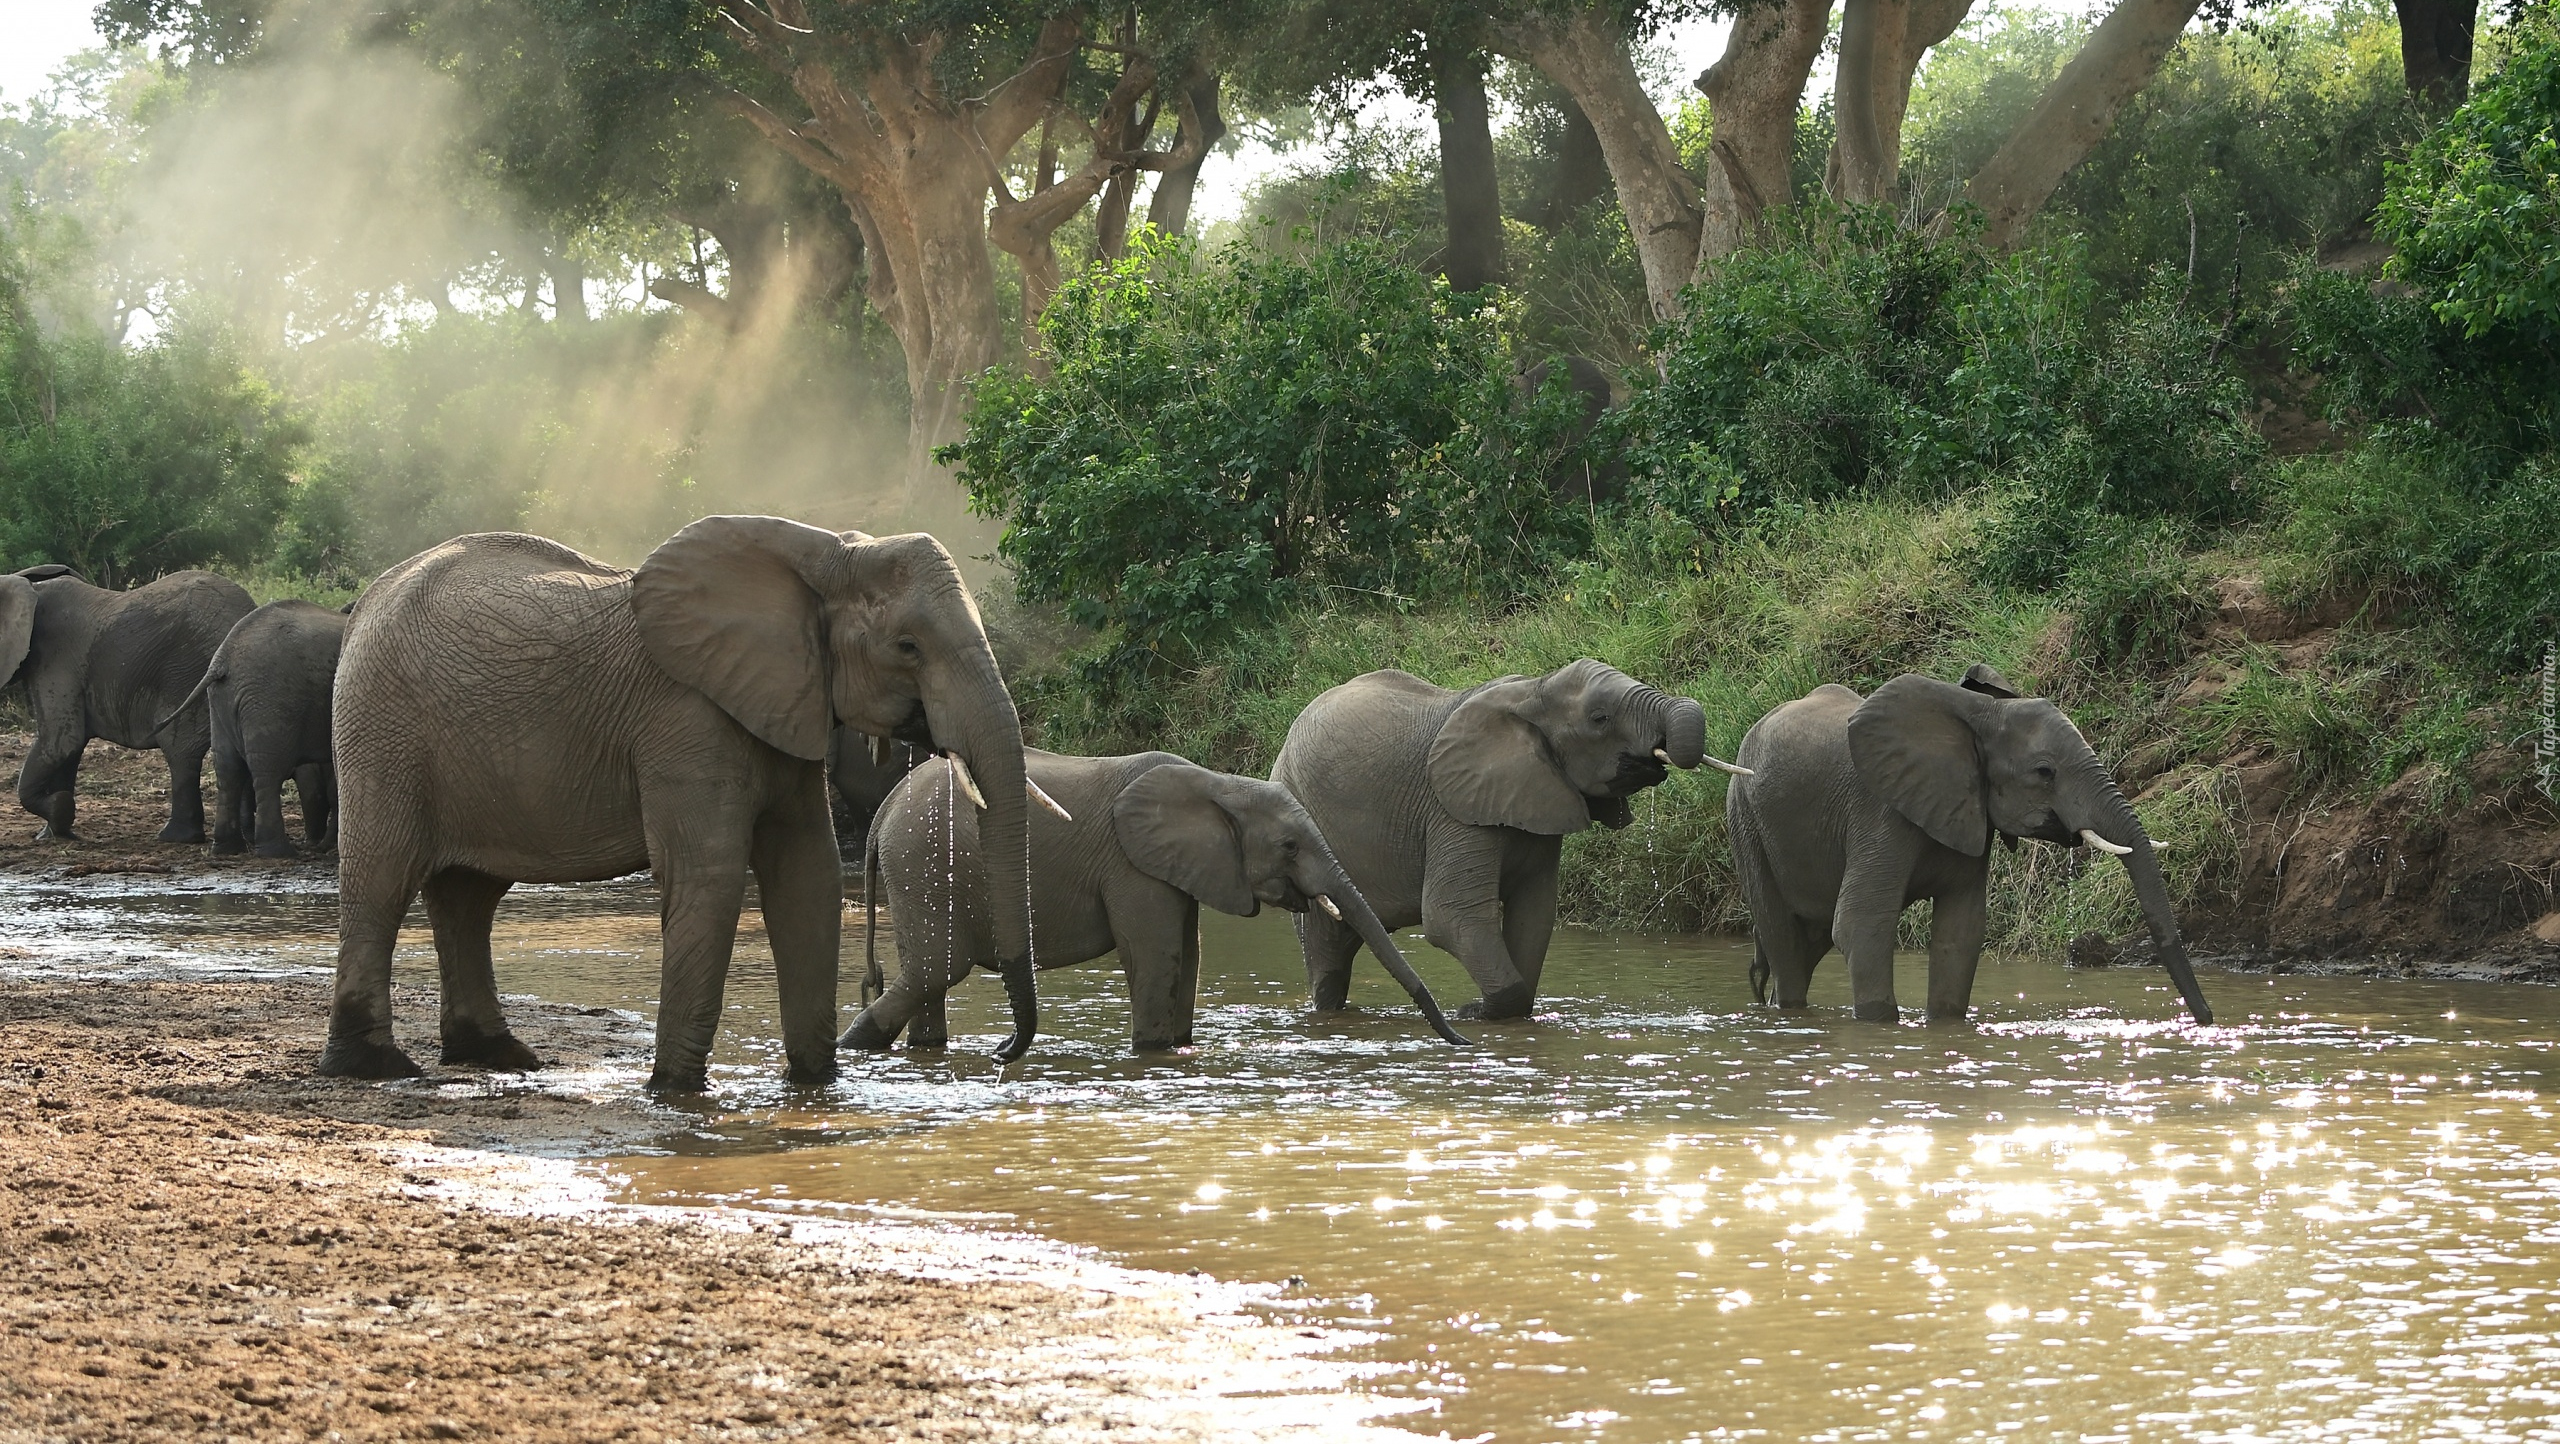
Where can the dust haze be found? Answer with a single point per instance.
(324, 198)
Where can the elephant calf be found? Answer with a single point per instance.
(1151, 838)
(267, 691)
(1857, 807)
(100, 663)
(1451, 808)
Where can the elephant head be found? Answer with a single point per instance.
(1961, 762)
(1555, 754)
(790, 629)
(1236, 843)
(17, 624)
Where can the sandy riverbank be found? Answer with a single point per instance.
(208, 1241)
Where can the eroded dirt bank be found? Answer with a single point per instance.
(205, 1240)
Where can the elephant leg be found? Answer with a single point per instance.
(929, 1029)
(460, 906)
(311, 787)
(1790, 946)
(48, 777)
(1957, 921)
(185, 757)
(373, 895)
(937, 946)
(1462, 914)
(1863, 921)
(1329, 947)
(698, 920)
(800, 880)
(272, 838)
(234, 803)
(1159, 942)
(1529, 913)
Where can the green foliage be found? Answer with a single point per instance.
(1850, 354)
(2475, 213)
(1218, 442)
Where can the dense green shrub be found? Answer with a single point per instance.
(1217, 441)
(2475, 213)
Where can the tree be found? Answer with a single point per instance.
(2435, 49)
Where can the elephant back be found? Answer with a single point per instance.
(151, 648)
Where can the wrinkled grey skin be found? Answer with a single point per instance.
(1450, 809)
(113, 664)
(1580, 482)
(267, 693)
(511, 711)
(862, 771)
(1861, 806)
(1153, 837)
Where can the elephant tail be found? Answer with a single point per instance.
(1759, 973)
(211, 672)
(872, 986)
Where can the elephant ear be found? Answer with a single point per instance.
(1173, 828)
(17, 624)
(1913, 742)
(731, 606)
(1984, 678)
(1490, 765)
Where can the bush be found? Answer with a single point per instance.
(1218, 442)
(2475, 213)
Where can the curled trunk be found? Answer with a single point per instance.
(987, 734)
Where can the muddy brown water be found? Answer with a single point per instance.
(1657, 1212)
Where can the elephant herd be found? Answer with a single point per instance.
(502, 709)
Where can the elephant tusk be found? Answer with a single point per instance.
(879, 751)
(1045, 800)
(1663, 757)
(968, 784)
(2090, 836)
(1330, 910)
(1720, 765)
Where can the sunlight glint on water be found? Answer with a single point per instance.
(1660, 1214)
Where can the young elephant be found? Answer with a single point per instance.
(1857, 807)
(268, 692)
(1450, 808)
(1151, 838)
(100, 663)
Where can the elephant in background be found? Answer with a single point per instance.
(1857, 807)
(509, 710)
(1578, 479)
(116, 665)
(1144, 841)
(267, 691)
(862, 771)
(1451, 808)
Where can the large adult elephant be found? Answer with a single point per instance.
(100, 663)
(267, 694)
(1858, 807)
(863, 771)
(1146, 840)
(511, 711)
(1450, 809)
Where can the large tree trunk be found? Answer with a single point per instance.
(1882, 43)
(568, 291)
(2435, 49)
(1586, 53)
(1581, 173)
(1470, 198)
(1753, 91)
(1170, 209)
(2116, 61)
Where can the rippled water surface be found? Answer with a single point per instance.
(1659, 1213)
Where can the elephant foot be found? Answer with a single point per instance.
(50, 833)
(1160, 1045)
(280, 850)
(183, 832)
(1512, 1002)
(498, 1052)
(1960, 1013)
(1876, 1013)
(866, 1036)
(356, 1057)
(227, 846)
(664, 1079)
(811, 1072)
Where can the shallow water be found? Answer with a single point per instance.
(1658, 1213)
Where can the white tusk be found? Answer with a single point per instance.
(968, 784)
(1663, 757)
(1330, 910)
(1720, 765)
(879, 751)
(1045, 800)
(2090, 836)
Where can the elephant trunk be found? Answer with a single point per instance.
(984, 729)
(1364, 921)
(1679, 727)
(2113, 819)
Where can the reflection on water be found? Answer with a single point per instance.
(1657, 1213)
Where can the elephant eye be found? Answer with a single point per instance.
(907, 647)
(2044, 773)
(1599, 719)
